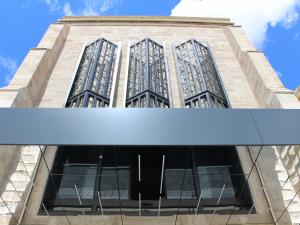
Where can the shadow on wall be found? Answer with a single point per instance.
(9, 160)
(290, 156)
(17, 166)
(297, 92)
(278, 185)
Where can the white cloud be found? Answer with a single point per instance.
(106, 5)
(254, 15)
(278, 73)
(8, 67)
(297, 36)
(90, 8)
(67, 9)
(97, 7)
(52, 4)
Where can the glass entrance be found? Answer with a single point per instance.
(146, 180)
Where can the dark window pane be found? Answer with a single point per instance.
(180, 184)
(212, 180)
(81, 176)
(112, 186)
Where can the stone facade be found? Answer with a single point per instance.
(45, 77)
(298, 93)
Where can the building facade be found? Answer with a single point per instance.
(298, 93)
(147, 62)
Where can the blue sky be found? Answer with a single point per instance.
(275, 30)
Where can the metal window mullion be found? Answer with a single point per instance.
(98, 179)
(155, 72)
(183, 82)
(135, 74)
(206, 68)
(118, 185)
(209, 100)
(98, 79)
(197, 56)
(161, 71)
(101, 74)
(216, 86)
(140, 69)
(132, 61)
(78, 99)
(147, 76)
(88, 66)
(211, 72)
(107, 80)
(92, 72)
(95, 101)
(78, 75)
(182, 186)
(191, 67)
(139, 101)
(85, 99)
(188, 70)
(195, 173)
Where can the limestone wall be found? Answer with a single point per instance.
(298, 93)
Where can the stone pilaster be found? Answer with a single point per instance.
(298, 93)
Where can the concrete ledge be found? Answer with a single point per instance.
(147, 19)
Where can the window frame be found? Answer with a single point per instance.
(147, 91)
(183, 100)
(114, 75)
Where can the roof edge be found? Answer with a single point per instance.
(146, 19)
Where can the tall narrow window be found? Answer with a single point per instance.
(200, 84)
(93, 81)
(147, 76)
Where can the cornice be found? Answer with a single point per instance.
(160, 20)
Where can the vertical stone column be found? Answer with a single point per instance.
(298, 92)
(28, 84)
(266, 85)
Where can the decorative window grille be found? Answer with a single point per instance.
(93, 81)
(147, 76)
(198, 76)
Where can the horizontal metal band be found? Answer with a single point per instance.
(165, 127)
